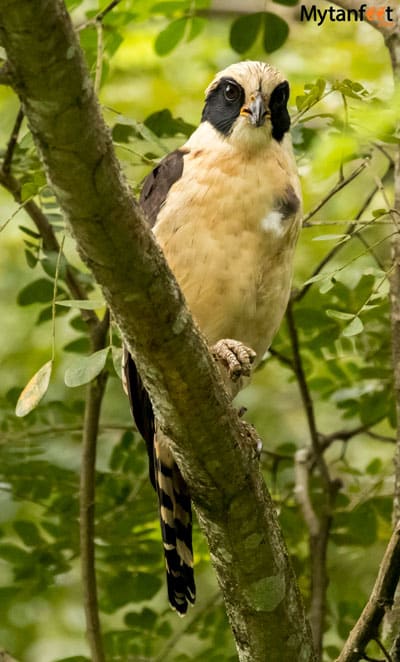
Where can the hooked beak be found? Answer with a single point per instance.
(256, 111)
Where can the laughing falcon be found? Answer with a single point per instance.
(226, 209)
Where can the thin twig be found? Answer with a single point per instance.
(380, 600)
(171, 643)
(384, 651)
(338, 187)
(94, 398)
(381, 437)
(99, 57)
(99, 17)
(297, 296)
(61, 429)
(285, 360)
(8, 157)
(296, 118)
(318, 525)
(302, 492)
(343, 435)
(107, 9)
(305, 394)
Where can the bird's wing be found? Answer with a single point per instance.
(158, 183)
(154, 193)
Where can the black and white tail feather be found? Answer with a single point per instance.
(173, 496)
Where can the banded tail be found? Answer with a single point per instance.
(176, 527)
(173, 496)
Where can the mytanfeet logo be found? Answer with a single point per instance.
(382, 15)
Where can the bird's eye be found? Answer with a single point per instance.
(231, 92)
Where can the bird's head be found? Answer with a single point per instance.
(247, 104)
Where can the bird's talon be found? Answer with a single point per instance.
(236, 357)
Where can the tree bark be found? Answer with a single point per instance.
(209, 441)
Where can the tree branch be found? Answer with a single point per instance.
(257, 581)
(380, 601)
(318, 525)
(94, 398)
(12, 143)
(338, 187)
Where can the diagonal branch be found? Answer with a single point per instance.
(381, 599)
(342, 183)
(208, 439)
(12, 143)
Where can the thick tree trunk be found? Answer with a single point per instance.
(209, 440)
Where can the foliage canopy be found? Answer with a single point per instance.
(328, 377)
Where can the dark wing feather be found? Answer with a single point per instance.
(141, 408)
(157, 184)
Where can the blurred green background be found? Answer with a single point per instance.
(41, 616)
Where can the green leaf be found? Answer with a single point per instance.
(317, 278)
(354, 328)
(376, 213)
(28, 190)
(28, 532)
(78, 346)
(128, 587)
(49, 264)
(197, 26)
(116, 353)
(31, 259)
(170, 37)
(39, 291)
(244, 32)
(339, 315)
(327, 286)
(34, 390)
(15, 555)
(276, 31)
(86, 368)
(46, 314)
(145, 620)
(331, 237)
(162, 123)
(169, 6)
(357, 527)
(375, 467)
(29, 232)
(83, 304)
